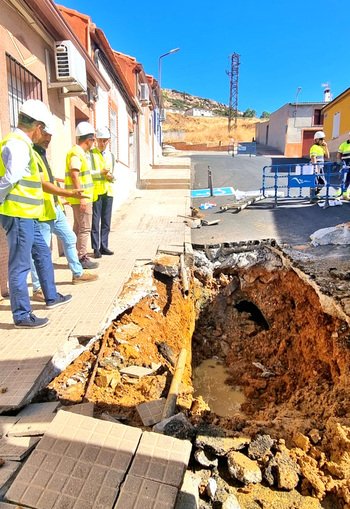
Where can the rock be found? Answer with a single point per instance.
(104, 380)
(231, 503)
(287, 471)
(315, 436)
(339, 234)
(242, 468)
(301, 441)
(260, 447)
(206, 459)
(167, 352)
(167, 265)
(212, 486)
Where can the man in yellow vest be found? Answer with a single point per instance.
(318, 152)
(102, 167)
(344, 156)
(21, 204)
(54, 219)
(78, 176)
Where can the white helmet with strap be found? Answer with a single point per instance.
(35, 109)
(103, 133)
(84, 129)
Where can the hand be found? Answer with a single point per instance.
(78, 194)
(82, 205)
(109, 177)
(105, 171)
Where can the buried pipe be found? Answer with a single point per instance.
(170, 403)
(183, 274)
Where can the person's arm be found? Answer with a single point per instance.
(50, 188)
(15, 156)
(339, 154)
(326, 151)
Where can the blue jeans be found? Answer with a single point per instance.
(101, 222)
(25, 241)
(61, 228)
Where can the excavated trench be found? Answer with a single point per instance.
(252, 317)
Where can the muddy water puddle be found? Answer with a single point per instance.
(209, 381)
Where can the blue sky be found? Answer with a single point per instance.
(282, 45)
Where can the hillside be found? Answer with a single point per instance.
(180, 127)
(182, 101)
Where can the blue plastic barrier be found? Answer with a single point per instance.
(285, 178)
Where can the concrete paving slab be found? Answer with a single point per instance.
(78, 464)
(6, 505)
(17, 448)
(140, 493)
(6, 423)
(86, 409)
(152, 411)
(31, 425)
(161, 458)
(7, 473)
(39, 408)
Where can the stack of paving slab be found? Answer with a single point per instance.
(74, 461)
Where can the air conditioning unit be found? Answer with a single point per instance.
(144, 96)
(162, 116)
(70, 67)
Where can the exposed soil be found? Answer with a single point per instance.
(268, 326)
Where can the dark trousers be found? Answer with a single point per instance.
(26, 241)
(101, 222)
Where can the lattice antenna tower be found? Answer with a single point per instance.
(233, 75)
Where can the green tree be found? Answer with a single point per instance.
(265, 114)
(249, 113)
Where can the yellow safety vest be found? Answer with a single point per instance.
(98, 164)
(318, 152)
(110, 185)
(49, 200)
(85, 178)
(26, 198)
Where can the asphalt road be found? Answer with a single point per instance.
(291, 222)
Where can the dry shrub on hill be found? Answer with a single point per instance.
(208, 129)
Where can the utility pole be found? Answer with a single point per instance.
(233, 75)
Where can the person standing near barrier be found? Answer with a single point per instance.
(21, 204)
(78, 176)
(318, 152)
(102, 167)
(344, 156)
(54, 219)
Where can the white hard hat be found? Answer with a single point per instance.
(103, 132)
(50, 127)
(35, 109)
(83, 129)
(319, 135)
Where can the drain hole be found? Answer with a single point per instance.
(246, 306)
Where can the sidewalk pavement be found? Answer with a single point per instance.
(146, 223)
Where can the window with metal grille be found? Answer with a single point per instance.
(22, 85)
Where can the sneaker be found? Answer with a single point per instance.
(86, 277)
(97, 253)
(38, 295)
(107, 251)
(60, 299)
(32, 322)
(86, 263)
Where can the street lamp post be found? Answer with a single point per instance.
(160, 64)
(296, 106)
(160, 87)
